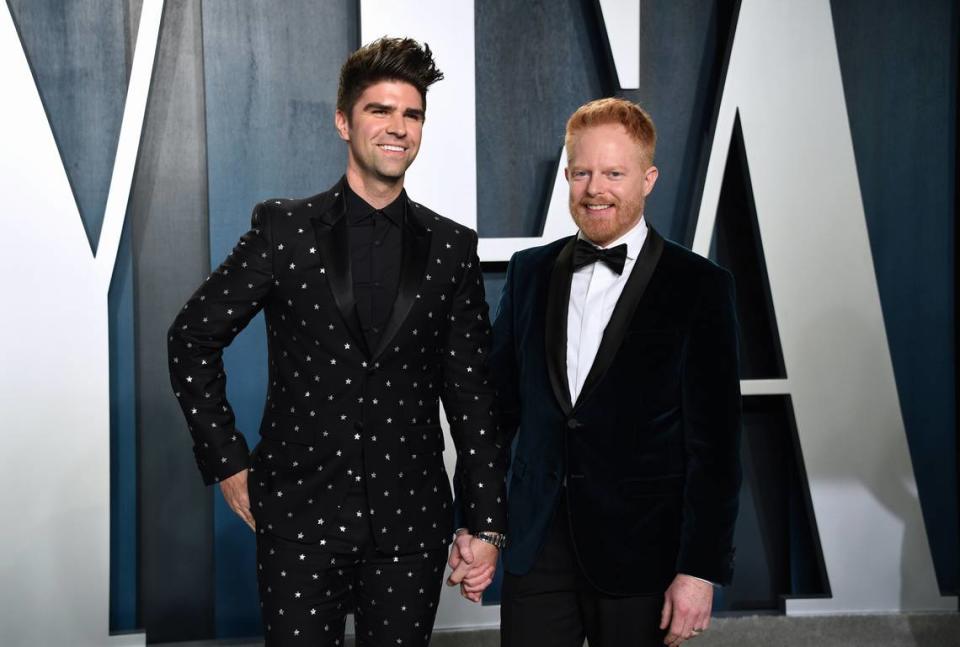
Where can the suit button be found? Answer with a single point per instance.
(573, 423)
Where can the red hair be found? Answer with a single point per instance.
(614, 110)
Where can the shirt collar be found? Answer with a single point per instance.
(359, 209)
(634, 239)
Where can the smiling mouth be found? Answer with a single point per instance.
(391, 148)
(597, 207)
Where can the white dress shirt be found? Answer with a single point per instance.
(594, 291)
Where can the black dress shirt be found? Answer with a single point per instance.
(375, 257)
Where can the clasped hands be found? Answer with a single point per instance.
(473, 562)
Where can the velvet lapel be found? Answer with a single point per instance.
(619, 322)
(333, 247)
(413, 267)
(555, 333)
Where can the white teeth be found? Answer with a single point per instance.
(398, 149)
(598, 207)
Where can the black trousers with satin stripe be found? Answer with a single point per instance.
(555, 606)
(306, 590)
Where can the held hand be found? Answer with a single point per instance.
(687, 603)
(461, 557)
(481, 573)
(234, 489)
(474, 563)
(455, 550)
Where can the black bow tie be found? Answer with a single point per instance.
(585, 253)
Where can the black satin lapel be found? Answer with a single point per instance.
(555, 333)
(333, 247)
(413, 267)
(616, 329)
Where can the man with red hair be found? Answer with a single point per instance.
(615, 354)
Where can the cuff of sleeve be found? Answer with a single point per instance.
(713, 568)
(494, 520)
(701, 579)
(218, 463)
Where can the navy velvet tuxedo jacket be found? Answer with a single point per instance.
(649, 452)
(337, 411)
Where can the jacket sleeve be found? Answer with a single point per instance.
(711, 417)
(220, 308)
(468, 398)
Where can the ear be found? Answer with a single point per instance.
(342, 125)
(649, 179)
(566, 174)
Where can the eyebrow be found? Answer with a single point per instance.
(409, 112)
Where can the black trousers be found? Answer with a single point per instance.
(306, 590)
(555, 606)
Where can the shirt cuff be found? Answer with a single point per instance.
(714, 584)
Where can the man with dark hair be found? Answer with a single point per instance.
(375, 311)
(615, 355)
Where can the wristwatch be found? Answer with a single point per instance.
(497, 539)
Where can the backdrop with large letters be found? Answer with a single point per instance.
(809, 147)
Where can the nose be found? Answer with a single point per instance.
(595, 185)
(397, 126)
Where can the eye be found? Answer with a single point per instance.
(615, 174)
(579, 174)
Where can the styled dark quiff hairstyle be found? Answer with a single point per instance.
(386, 59)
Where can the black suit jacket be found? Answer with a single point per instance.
(649, 452)
(337, 411)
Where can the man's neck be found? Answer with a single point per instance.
(375, 192)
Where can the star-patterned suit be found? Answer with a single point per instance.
(349, 470)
